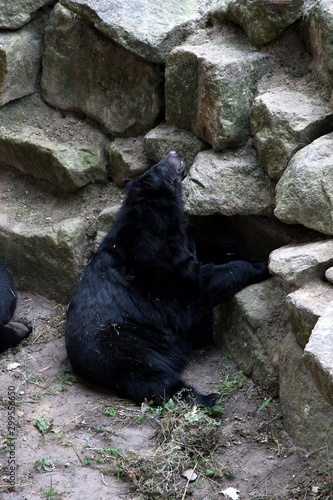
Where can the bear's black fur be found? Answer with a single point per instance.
(133, 318)
(11, 332)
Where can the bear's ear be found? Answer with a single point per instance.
(128, 184)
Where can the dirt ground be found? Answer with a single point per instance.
(76, 441)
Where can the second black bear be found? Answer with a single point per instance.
(11, 332)
(132, 321)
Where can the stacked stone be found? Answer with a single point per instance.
(95, 92)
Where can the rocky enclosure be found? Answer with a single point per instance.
(95, 92)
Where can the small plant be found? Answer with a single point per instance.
(68, 442)
(51, 493)
(44, 465)
(110, 411)
(64, 380)
(42, 425)
(109, 452)
(230, 384)
(265, 404)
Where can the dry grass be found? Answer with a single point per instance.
(185, 438)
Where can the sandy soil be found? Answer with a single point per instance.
(69, 435)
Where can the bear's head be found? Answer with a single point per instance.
(164, 178)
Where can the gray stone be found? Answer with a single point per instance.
(284, 121)
(329, 274)
(148, 29)
(209, 86)
(251, 328)
(165, 138)
(318, 354)
(305, 306)
(263, 21)
(107, 218)
(318, 27)
(37, 140)
(52, 258)
(20, 60)
(104, 223)
(304, 194)
(116, 88)
(44, 234)
(297, 264)
(228, 183)
(16, 13)
(219, 9)
(127, 159)
(307, 417)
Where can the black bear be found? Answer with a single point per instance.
(11, 332)
(133, 320)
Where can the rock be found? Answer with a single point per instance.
(307, 417)
(190, 475)
(44, 234)
(127, 159)
(251, 328)
(228, 183)
(209, 85)
(304, 194)
(317, 28)
(106, 218)
(66, 152)
(219, 9)
(148, 29)
(165, 138)
(284, 121)
(263, 21)
(46, 261)
(329, 275)
(104, 223)
(318, 354)
(298, 264)
(116, 88)
(20, 56)
(306, 305)
(16, 13)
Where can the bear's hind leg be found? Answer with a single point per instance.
(162, 386)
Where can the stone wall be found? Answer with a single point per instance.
(95, 92)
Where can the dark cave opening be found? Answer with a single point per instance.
(220, 239)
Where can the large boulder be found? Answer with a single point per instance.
(45, 235)
(228, 183)
(148, 29)
(264, 20)
(318, 354)
(84, 70)
(306, 305)
(251, 328)
(16, 13)
(304, 194)
(307, 417)
(210, 84)
(20, 60)
(64, 151)
(318, 27)
(302, 263)
(165, 138)
(127, 159)
(46, 261)
(284, 121)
